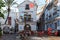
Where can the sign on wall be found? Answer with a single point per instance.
(31, 5)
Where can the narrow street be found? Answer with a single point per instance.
(45, 38)
(14, 37)
(8, 37)
(53, 38)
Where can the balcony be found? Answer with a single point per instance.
(27, 20)
(55, 13)
(52, 18)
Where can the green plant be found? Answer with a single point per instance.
(1, 15)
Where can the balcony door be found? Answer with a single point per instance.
(27, 17)
(55, 25)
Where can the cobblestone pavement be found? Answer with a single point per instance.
(45, 38)
(15, 37)
(53, 38)
(8, 37)
(38, 38)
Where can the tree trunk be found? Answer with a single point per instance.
(7, 15)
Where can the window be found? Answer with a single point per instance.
(55, 25)
(47, 27)
(49, 16)
(28, 17)
(46, 18)
(58, 10)
(58, 22)
(55, 8)
(54, 13)
(27, 7)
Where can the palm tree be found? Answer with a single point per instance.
(9, 3)
(1, 5)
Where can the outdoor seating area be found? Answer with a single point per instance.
(40, 33)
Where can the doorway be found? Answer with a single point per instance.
(27, 30)
(27, 27)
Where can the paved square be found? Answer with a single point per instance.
(14, 37)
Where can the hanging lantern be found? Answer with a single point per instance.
(31, 5)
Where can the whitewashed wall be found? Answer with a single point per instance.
(21, 8)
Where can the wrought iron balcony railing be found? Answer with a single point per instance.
(27, 20)
(52, 18)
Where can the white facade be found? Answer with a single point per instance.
(23, 10)
(13, 16)
(52, 17)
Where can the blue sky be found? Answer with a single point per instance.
(38, 1)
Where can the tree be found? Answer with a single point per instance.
(9, 3)
(1, 15)
(1, 5)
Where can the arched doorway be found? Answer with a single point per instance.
(27, 30)
(27, 27)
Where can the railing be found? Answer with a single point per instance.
(52, 18)
(56, 15)
(28, 20)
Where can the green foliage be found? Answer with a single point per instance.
(9, 2)
(1, 15)
(1, 4)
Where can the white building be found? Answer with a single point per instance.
(13, 16)
(52, 15)
(27, 15)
